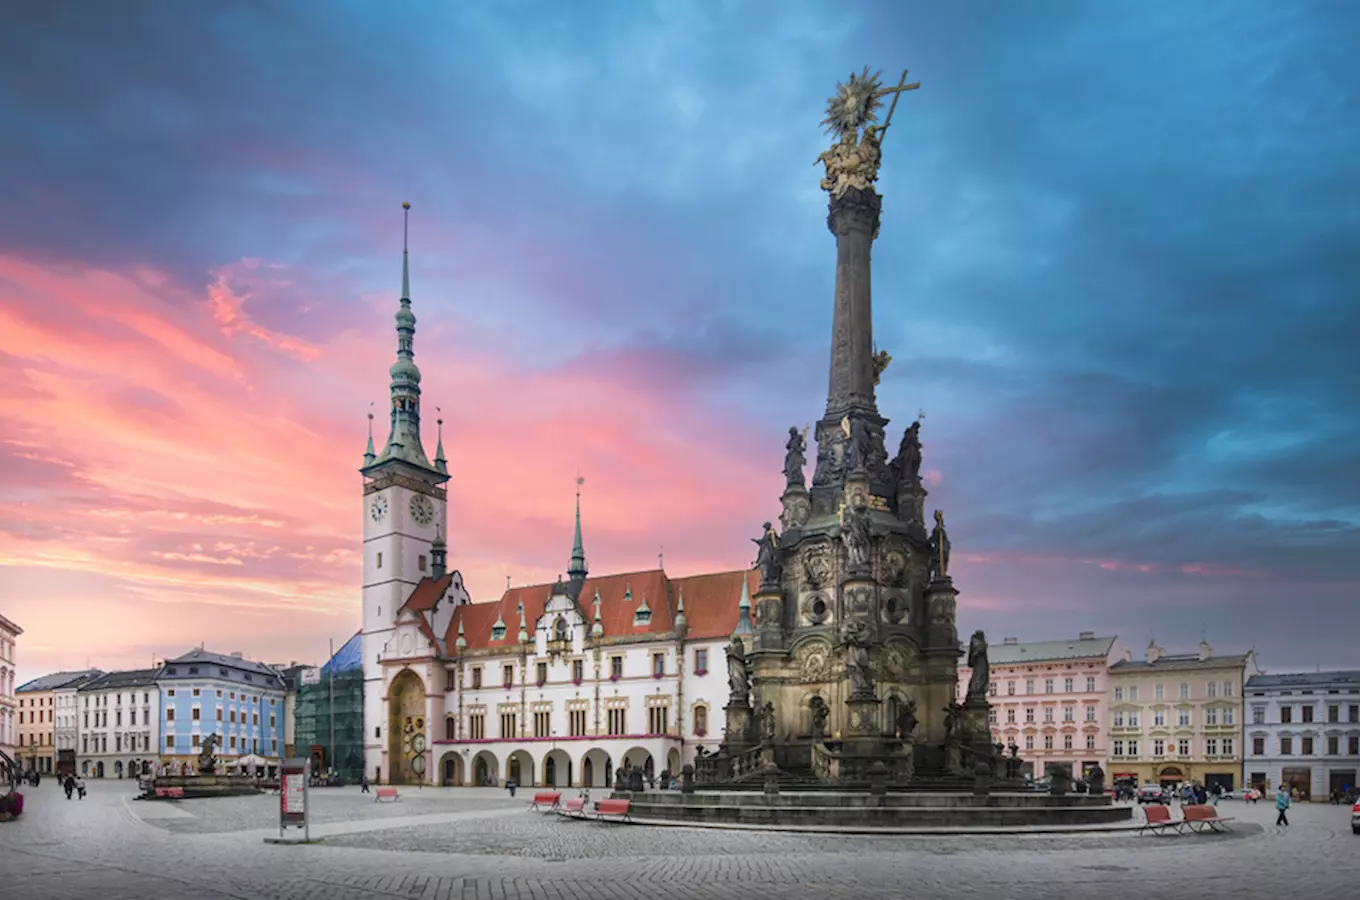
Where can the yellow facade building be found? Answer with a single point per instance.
(1178, 718)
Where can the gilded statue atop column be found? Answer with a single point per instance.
(851, 115)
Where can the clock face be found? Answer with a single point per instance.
(378, 508)
(422, 510)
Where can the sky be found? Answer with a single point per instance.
(1116, 271)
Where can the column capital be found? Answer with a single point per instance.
(855, 209)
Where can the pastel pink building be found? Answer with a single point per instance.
(1050, 698)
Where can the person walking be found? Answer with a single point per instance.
(80, 788)
(69, 785)
(363, 784)
(1282, 802)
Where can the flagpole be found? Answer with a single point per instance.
(330, 751)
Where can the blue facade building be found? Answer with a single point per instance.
(239, 700)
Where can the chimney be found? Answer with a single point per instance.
(1128, 655)
(1154, 652)
(1010, 641)
(237, 654)
(1087, 636)
(1205, 651)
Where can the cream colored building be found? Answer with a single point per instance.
(1178, 717)
(9, 713)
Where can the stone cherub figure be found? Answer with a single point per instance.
(857, 666)
(738, 682)
(939, 547)
(767, 559)
(906, 719)
(795, 458)
(820, 713)
(982, 670)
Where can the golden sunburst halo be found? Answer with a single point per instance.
(855, 104)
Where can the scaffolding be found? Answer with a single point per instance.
(337, 687)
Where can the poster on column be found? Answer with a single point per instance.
(293, 792)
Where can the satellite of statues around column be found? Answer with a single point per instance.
(939, 548)
(795, 458)
(907, 464)
(853, 160)
(981, 676)
(767, 557)
(738, 681)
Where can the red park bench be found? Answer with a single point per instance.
(172, 793)
(1159, 820)
(386, 793)
(1197, 818)
(574, 808)
(550, 799)
(615, 808)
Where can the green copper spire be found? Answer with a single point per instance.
(369, 455)
(744, 626)
(577, 570)
(403, 442)
(440, 462)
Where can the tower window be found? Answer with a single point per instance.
(420, 562)
(380, 560)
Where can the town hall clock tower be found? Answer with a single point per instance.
(405, 514)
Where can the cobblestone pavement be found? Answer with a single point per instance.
(443, 844)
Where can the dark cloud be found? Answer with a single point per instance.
(1117, 265)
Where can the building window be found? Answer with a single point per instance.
(1090, 713)
(1185, 691)
(169, 742)
(1353, 745)
(1133, 720)
(578, 670)
(1212, 688)
(1306, 746)
(1184, 747)
(1133, 748)
(1010, 689)
(542, 723)
(1029, 742)
(1069, 713)
(507, 676)
(1227, 689)
(1119, 719)
(1211, 716)
(194, 714)
(1067, 742)
(576, 722)
(476, 677)
(379, 559)
(1118, 748)
(1158, 718)
(1090, 742)
(1119, 693)
(1010, 716)
(1157, 692)
(1048, 685)
(169, 715)
(1286, 746)
(219, 713)
(1307, 713)
(1333, 714)
(701, 720)
(420, 561)
(450, 728)
(1029, 685)
(1029, 715)
(1286, 714)
(1158, 748)
(1048, 742)
(1067, 685)
(1184, 718)
(477, 726)
(616, 668)
(1258, 746)
(1228, 716)
(658, 719)
(542, 673)
(991, 715)
(1333, 746)
(701, 661)
(1258, 715)
(170, 692)
(193, 740)
(617, 721)
(1090, 684)
(508, 729)
(991, 689)
(658, 669)
(1048, 715)
(1354, 714)
(1227, 746)
(1211, 747)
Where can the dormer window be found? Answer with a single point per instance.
(560, 628)
(643, 615)
(498, 629)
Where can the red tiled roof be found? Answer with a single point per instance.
(710, 606)
(428, 591)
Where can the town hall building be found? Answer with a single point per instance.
(557, 684)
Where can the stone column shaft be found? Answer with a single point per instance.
(853, 218)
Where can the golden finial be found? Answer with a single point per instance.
(405, 205)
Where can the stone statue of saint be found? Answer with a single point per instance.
(952, 721)
(855, 528)
(857, 665)
(982, 670)
(767, 722)
(795, 459)
(907, 465)
(738, 683)
(939, 547)
(767, 560)
(858, 444)
(820, 713)
(906, 719)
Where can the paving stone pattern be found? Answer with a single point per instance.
(479, 844)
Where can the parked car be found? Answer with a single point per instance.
(1245, 793)
(1355, 818)
(1154, 793)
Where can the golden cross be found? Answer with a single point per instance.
(896, 92)
(920, 415)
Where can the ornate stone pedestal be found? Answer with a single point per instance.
(797, 508)
(738, 726)
(769, 604)
(941, 601)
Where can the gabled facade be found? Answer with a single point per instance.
(47, 719)
(1049, 699)
(1303, 731)
(1177, 718)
